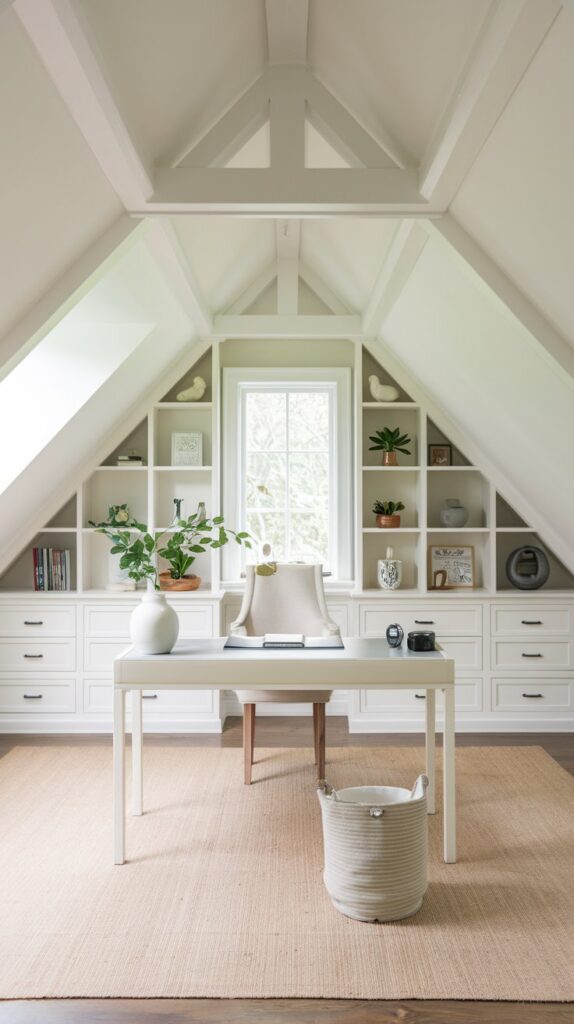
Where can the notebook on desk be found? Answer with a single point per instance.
(283, 641)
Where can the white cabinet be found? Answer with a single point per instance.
(37, 696)
(532, 655)
(533, 697)
(48, 654)
(446, 620)
(532, 620)
(31, 620)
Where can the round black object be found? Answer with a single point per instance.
(419, 640)
(395, 634)
(527, 568)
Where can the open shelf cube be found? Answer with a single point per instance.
(20, 574)
(560, 577)
(436, 436)
(192, 487)
(135, 443)
(506, 517)
(115, 487)
(469, 486)
(200, 369)
(390, 485)
(480, 541)
(407, 420)
(182, 420)
(406, 547)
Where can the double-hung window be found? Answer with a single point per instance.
(286, 457)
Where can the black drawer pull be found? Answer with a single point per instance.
(149, 696)
(32, 696)
(532, 655)
(29, 622)
(420, 696)
(532, 622)
(424, 622)
(532, 695)
(33, 655)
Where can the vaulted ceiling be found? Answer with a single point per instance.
(398, 170)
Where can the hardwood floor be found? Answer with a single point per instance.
(293, 732)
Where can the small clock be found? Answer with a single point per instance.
(395, 634)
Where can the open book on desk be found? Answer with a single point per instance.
(282, 641)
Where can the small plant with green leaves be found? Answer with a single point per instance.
(179, 545)
(387, 440)
(387, 508)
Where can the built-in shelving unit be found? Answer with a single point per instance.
(493, 528)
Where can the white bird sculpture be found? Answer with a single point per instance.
(382, 392)
(194, 393)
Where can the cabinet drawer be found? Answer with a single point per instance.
(537, 696)
(195, 621)
(468, 697)
(111, 620)
(466, 651)
(447, 620)
(530, 620)
(27, 620)
(99, 654)
(532, 655)
(108, 620)
(98, 697)
(37, 696)
(33, 655)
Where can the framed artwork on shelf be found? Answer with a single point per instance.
(186, 449)
(451, 567)
(440, 455)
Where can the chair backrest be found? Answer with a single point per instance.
(292, 600)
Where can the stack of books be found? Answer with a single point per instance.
(129, 460)
(51, 569)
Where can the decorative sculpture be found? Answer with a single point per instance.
(194, 393)
(382, 392)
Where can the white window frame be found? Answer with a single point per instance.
(237, 381)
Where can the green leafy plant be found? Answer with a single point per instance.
(387, 508)
(387, 440)
(179, 545)
(119, 515)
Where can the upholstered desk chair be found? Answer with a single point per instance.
(292, 600)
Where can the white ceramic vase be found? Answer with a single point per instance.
(389, 573)
(154, 625)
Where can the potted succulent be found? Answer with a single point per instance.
(179, 545)
(389, 442)
(387, 514)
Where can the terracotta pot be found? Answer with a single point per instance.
(389, 459)
(166, 582)
(388, 522)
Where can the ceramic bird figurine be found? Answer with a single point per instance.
(382, 392)
(194, 393)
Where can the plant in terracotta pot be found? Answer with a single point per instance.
(179, 545)
(387, 514)
(389, 442)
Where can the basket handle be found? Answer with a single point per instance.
(326, 788)
(419, 788)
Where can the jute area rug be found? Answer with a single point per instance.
(223, 893)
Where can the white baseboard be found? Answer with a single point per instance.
(97, 727)
(476, 724)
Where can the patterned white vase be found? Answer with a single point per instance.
(154, 625)
(389, 573)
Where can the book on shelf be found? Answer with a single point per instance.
(52, 569)
(129, 460)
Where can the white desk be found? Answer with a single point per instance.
(204, 664)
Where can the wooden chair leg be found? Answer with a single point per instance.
(248, 741)
(315, 744)
(320, 741)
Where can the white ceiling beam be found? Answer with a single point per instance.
(510, 37)
(453, 235)
(342, 131)
(322, 291)
(67, 291)
(287, 241)
(231, 131)
(63, 47)
(287, 23)
(280, 192)
(273, 327)
(253, 291)
(286, 119)
(406, 246)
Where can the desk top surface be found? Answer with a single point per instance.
(355, 649)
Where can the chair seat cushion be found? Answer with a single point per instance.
(284, 696)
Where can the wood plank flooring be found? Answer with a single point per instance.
(293, 732)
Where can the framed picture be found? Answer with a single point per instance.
(440, 454)
(186, 449)
(450, 566)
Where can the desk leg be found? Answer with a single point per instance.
(137, 772)
(430, 741)
(119, 776)
(449, 778)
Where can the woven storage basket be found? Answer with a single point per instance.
(375, 849)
